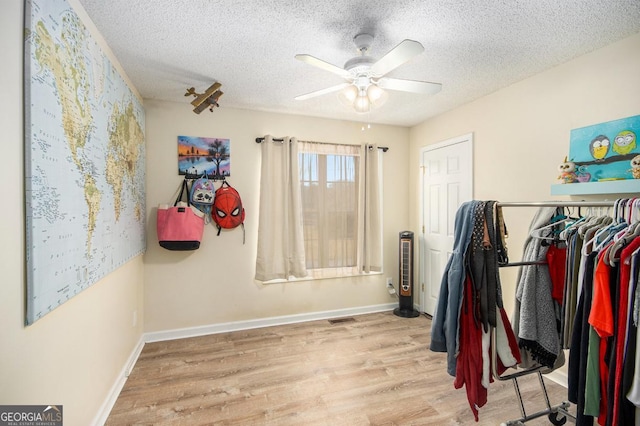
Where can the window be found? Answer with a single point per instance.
(320, 210)
(329, 191)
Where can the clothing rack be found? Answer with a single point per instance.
(558, 414)
(557, 204)
(550, 204)
(260, 140)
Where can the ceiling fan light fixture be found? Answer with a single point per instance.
(366, 85)
(376, 95)
(362, 103)
(362, 99)
(348, 95)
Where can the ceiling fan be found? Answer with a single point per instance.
(365, 76)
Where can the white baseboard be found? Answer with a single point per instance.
(559, 376)
(112, 396)
(181, 333)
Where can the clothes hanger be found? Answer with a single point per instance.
(626, 236)
(635, 210)
(537, 233)
(564, 234)
(635, 213)
(630, 209)
(619, 209)
(587, 231)
(570, 213)
(592, 222)
(604, 235)
(609, 231)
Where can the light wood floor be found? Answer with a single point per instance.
(373, 369)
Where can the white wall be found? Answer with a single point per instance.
(521, 133)
(74, 355)
(215, 284)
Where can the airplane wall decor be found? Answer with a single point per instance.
(208, 99)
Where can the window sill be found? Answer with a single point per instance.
(311, 278)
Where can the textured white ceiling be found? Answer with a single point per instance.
(472, 47)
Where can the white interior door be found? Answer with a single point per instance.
(447, 182)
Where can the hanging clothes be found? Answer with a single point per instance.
(470, 303)
(573, 280)
(536, 318)
(579, 290)
(632, 362)
(469, 369)
(579, 357)
(621, 331)
(604, 363)
(483, 264)
(445, 324)
(557, 260)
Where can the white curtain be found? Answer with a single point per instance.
(280, 233)
(370, 213)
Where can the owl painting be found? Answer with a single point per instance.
(599, 147)
(625, 142)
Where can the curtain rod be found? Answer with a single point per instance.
(259, 140)
(557, 204)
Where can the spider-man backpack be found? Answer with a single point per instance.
(227, 210)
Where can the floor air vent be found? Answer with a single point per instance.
(340, 320)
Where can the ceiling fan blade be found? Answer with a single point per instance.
(422, 87)
(397, 56)
(322, 92)
(312, 60)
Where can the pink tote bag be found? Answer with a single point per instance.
(180, 227)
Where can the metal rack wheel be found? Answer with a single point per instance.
(559, 421)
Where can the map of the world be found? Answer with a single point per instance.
(84, 159)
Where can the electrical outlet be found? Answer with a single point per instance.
(390, 287)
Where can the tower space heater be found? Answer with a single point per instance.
(406, 277)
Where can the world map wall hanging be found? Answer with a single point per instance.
(84, 159)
